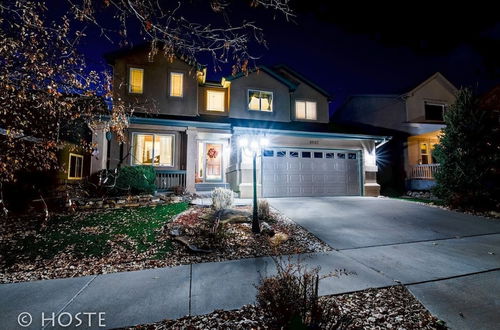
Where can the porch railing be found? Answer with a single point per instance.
(424, 171)
(166, 180)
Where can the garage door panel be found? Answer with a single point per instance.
(320, 176)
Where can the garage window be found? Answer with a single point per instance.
(268, 153)
(329, 155)
(318, 155)
(351, 156)
(294, 154)
(280, 154)
(306, 154)
(341, 156)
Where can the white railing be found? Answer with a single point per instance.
(426, 171)
(167, 180)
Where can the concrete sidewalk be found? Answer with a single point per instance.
(131, 298)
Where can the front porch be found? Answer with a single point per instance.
(421, 166)
(421, 177)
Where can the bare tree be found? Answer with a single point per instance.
(166, 26)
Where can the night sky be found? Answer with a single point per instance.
(355, 49)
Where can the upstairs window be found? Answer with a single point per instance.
(215, 101)
(153, 149)
(434, 111)
(75, 166)
(305, 110)
(135, 80)
(260, 100)
(176, 81)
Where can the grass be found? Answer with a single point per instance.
(92, 234)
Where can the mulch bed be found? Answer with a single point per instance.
(122, 255)
(388, 308)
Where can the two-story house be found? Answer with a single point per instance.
(414, 119)
(193, 138)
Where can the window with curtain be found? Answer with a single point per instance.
(75, 166)
(305, 110)
(176, 81)
(215, 101)
(136, 80)
(260, 100)
(153, 149)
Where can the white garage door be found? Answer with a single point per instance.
(290, 172)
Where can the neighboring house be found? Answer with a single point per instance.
(414, 118)
(192, 138)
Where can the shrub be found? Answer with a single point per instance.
(135, 180)
(290, 299)
(263, 209)
(222, 198)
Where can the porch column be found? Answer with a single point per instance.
(192, 134)
(100, 148)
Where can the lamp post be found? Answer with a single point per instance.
(252, 149)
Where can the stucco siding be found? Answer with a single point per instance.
(434, 91)
(305, 92)
(156, 96)
(259, 80)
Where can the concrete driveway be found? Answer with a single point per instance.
(450, 261)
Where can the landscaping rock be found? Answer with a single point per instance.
(278, 238)
(184, 240)
(266, 229)
(234, 216)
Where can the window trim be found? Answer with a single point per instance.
(132, 156)
(130, 68)
(305, 101)
(443, 105)
(78, 156)
(170, 86)
(207, 91)
(260, 110)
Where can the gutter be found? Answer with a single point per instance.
(384, 141)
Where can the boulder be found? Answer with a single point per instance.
(266, 229)
(278, 238)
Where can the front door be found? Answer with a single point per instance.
(209, 167)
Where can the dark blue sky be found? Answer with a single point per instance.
(354, 49)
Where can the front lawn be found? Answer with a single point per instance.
(85, 243)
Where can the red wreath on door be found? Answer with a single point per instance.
(212, 153)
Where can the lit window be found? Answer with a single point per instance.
(75, 166)
(176, 80)
(434, 111)
(215, 101)
(424, 153)
(305, 110)
(260, 100)
(136, 79)
(153, 149)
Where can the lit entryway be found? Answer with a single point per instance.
(289, 172)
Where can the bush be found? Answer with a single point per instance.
(135, 180)
(263, 210)
(222, 198)
(290, 299)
